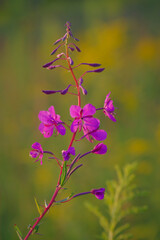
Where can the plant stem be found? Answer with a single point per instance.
(44, 212)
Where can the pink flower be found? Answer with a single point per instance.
(109, 108)
(83, 118)
(50, 121)
(37, 152)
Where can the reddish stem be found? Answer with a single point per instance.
(44, 212)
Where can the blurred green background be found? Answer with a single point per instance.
(124, 36)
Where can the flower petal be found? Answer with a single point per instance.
(99, 135)
(61, 129)
(37, 146)
(33, 154)
(75, 111)
(91, 123)
(72, 150)
(110, 116)
(52, 111)
(89, 109)
(76, 124)
(47, 131)
(44, 117)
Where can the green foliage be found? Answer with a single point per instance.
(118, 200)
(64, 173)
(18, 232)
(38, 207)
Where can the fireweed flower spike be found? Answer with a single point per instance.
(83, 122)
(37, 152)
(50, 121)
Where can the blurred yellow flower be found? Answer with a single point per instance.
(139, 146)
(146, 49)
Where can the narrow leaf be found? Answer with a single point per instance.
(38, 208)
(64, 173)
(18, 232)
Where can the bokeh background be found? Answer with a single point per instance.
(124, 36)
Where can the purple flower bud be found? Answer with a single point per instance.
(50, 91)
(57, 41)
(92, 64)
(77, 48)
(64, 37)
(100, 148)
(37, 152)
(68, 25)
(56, 66)
(71, 48)
(66, 154)
(96, 70)
(71, 35)
(63, 92)
(60, 55)
(99, 193)
(71, 61)
(56, 49)
(53, 67)
(50, 63)
(84, 91)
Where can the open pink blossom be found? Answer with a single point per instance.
(37, 152)
(109, 108)
(83, 118)
(50, 122)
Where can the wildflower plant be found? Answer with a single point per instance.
(84, 126)
(119, 204)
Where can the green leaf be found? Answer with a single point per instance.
(102, 219)
(64, 173)
(37, 205)
(121, 229)
(18, 232)
(36, 229)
